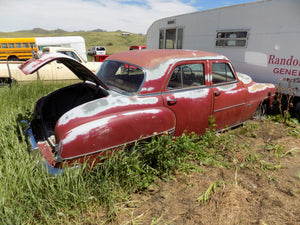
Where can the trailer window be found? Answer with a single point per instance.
(170, 38)
(161, 39)
(232, 38)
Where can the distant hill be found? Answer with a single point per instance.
(43, 31)
(113, 41)
(98, 30)
(57, 31)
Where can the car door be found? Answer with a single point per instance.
(189, 97)
(229, 95)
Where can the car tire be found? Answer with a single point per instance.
(260, 112)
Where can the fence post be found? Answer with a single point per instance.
(9, 73)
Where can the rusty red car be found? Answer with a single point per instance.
(137, 95)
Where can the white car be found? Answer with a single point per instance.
(97, 50)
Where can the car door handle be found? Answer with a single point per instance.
(172, 101)
(217, 93)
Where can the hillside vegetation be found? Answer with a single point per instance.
(113, 41)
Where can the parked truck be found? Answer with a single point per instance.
(9, 71)
(75, 42)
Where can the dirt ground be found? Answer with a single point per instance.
(243, 195)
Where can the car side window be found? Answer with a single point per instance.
(188, 75)
(222, 73)
(71, 54)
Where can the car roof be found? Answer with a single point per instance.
(151, 58)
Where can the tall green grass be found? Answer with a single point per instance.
(28, 195)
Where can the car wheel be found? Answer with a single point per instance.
(260, 112)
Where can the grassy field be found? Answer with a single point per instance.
(112, 41)
(29, 196)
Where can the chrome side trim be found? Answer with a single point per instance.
(229, 107)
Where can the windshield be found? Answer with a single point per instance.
(121, 77)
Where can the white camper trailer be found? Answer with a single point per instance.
(260, 38)
(75, 42)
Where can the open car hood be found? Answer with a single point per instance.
(83, 73)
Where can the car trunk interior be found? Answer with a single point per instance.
(63, 100)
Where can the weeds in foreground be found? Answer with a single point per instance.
(285, 98)
(205, 197)
(30, 196)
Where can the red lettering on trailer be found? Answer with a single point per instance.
(271, 59)
(284, 71)
(283, 61)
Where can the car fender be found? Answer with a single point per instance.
(115, 130)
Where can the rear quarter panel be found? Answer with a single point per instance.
(114, 130)
(256, 94)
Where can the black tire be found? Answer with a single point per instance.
(6, 82)
(260, 112)
(13, 58)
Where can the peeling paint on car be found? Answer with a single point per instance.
(259, 87)
(93, 108)
(33, 64)
(149, 111)
(227, 87)
(244, 78)
(84, 129)
(195, 94)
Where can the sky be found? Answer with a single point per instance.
(134, 16)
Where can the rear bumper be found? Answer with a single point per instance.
(36, 151)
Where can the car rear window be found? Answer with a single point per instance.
(121, 77)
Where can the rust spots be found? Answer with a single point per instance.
(259, 87)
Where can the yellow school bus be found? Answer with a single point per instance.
(13, 49)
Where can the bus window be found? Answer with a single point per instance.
(17, 48)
